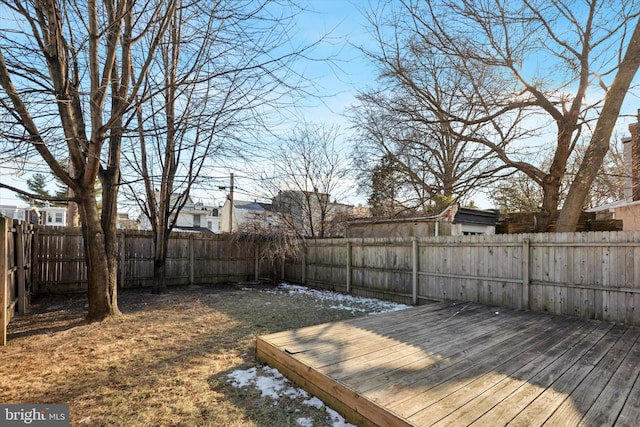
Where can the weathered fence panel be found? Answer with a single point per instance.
(15, 267)
(193, 258)
(324, 266)
(591, 274)
(136, 259)
(60, 260)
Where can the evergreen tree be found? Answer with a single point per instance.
(37, 185)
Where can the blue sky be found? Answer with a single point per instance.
(344, 26)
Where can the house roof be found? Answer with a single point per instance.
(254, 206)
(194, 229)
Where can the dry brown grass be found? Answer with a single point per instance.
(165, 362)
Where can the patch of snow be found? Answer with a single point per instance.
(295, 392)
(269, 387)
(315, 402)
(305, 422)
(240, 378)
(337, 419)
(273, 372)
(343, 301)
(273, 385)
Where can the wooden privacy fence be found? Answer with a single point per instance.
(193, 258)
(591, 275)
(15, 270)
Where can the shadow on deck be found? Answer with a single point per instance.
(465, 363)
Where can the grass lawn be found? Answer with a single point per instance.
(168, 361)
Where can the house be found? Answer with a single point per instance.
(338, 215)
(19, 213)
(290, 210)
(628, 209)
(198, 217)
(53, 216)
(312, 214)
(304, 211)
(194, 217)
(126, 223)
(244, 213)
(453, 221)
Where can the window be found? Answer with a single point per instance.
(59, 217)
(196, 220)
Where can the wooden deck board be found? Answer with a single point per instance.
(463, 364)
(486, 390)
(378, 349)
(461, 359)
(492, 397)
(557, 392)
(583, 398)
(553, 366)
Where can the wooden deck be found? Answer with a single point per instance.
(462, 364)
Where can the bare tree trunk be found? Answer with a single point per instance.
(73, 216)
(600, 140)
(100, 252)
(160, 259)
(159, 275)
(552, 181)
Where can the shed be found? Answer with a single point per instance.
(452, 221)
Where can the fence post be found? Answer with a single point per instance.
(349, 262)
(282, 267)
(191, 259)
(303, 273)
(35, 262)
(526, 246)
(414, 275)
(4, 295)
(256, 262)
(19, 248)
(122, 257)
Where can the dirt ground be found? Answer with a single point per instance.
(165, 362)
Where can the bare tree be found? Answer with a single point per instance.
(309, 171)
(551, 59)
(69, 73)
(521, 194)
(408, 119)
(208, 92)
(517, 194)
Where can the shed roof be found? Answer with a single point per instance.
(476, 216)
(453, 213)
